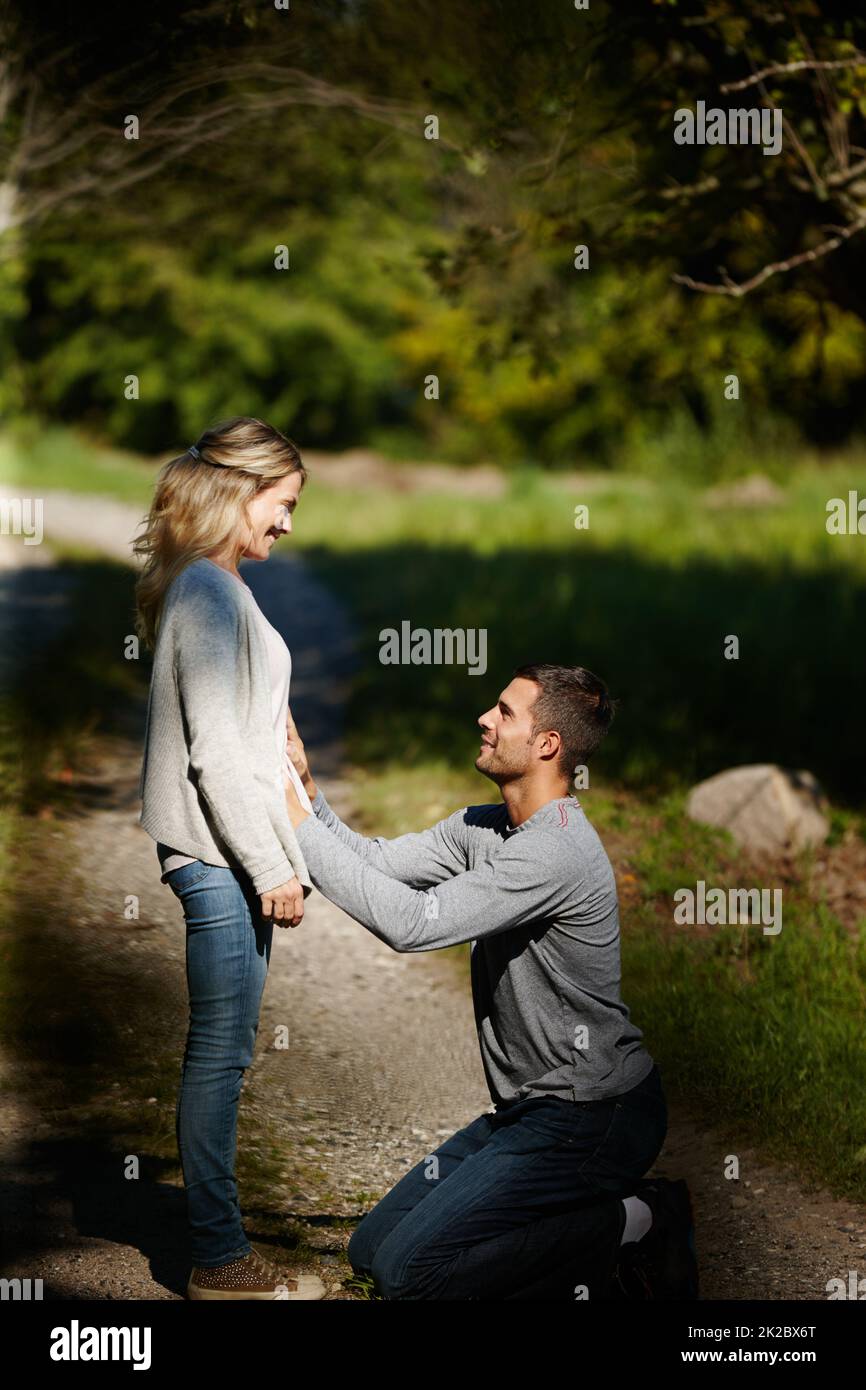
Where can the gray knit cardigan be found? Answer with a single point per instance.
(211, 783)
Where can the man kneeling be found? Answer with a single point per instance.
(541, 1197)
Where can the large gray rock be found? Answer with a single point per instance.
(767, 809)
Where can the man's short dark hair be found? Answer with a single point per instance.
(576, 704)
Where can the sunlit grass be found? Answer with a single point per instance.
(57, 458)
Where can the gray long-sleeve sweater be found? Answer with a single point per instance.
(211, 782)
(538, 902)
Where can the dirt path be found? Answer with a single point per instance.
(382, 1060)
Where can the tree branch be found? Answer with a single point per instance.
(736, 291)
(251, 89)
(806, 65)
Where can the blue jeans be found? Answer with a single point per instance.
(228, 950)
(523, 1203)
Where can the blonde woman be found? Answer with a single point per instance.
(213, 781)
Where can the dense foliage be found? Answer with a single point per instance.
(456, 256)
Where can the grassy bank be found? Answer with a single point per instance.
(60, 458)
(647, 597)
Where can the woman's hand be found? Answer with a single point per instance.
(284, 905)
(297, 754)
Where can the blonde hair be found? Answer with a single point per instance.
(200, 505)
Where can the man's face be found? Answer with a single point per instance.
(506, 732)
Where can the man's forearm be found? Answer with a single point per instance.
(397, 914)
(514, 888)
(419, 859)
(328, 817)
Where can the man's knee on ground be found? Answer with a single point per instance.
(360, 1250)
(400, 1278)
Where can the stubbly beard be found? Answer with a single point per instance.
(485, 772)
(500, 770)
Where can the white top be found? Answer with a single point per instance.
(280, 663)
(280, 666)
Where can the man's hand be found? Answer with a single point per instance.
(284, 905)
(293, 805)
(297, 753)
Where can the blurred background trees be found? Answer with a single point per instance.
(407, 256)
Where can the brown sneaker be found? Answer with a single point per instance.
(252, 1277)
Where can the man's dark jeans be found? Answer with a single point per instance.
(522, 1203)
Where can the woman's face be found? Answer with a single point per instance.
(270, 514)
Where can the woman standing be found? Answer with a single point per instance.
(212, 785)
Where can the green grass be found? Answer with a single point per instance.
(646, 600)
(774, 1053)
(43, 458)
(363, 1287)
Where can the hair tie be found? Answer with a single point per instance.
(194, 451)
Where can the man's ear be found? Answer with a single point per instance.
(549, 745)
